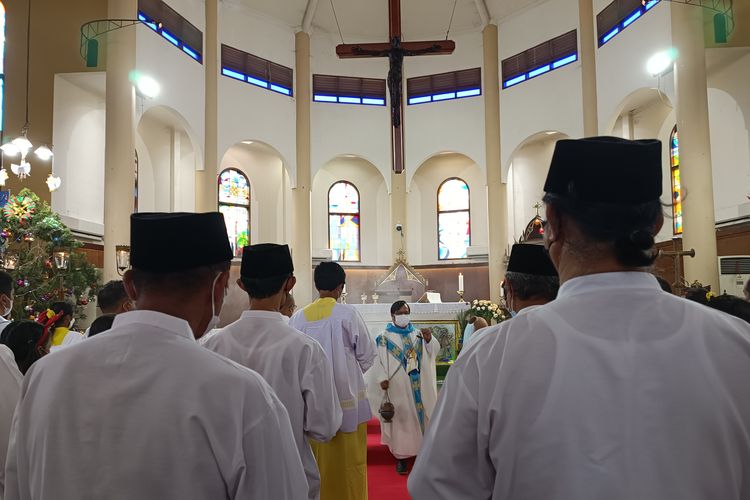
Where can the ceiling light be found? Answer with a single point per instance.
(550, 133)
(661, 62)
(10, 149)
(23, 144)
(247, 142)
(43, 153)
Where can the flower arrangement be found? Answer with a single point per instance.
(487, 310)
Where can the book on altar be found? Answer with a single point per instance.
(431, 298)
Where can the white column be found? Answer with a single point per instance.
(119, 150)
(497, 204)
(587, 57)
(205, 181)
(699, 221)
(301, 236)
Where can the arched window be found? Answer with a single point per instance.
(344, 222)
(674, 162)
(2, 66)
(234, 203)
(454, 219)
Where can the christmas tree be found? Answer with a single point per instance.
(39, 251)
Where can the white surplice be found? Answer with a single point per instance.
(347, 343)
(144, 412)
(403, 435)
(10, 389)
(297, 369)
(616, 390)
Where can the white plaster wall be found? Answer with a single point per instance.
(374, 205)
(454, 125)
(549, 102)
(78, 136)
(269, 191)
(353, 129)
(621, 62)
(250, 112)
(529, 167)
(181, 78)
(421, 239)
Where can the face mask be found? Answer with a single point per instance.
(402, 320)
(214, 322)
(513, 313)
(8, 310)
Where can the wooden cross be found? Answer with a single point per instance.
(395, 50)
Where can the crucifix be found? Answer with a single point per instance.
(395, 50)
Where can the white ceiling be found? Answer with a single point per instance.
(367, 20)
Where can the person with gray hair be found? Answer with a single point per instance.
(531, 279)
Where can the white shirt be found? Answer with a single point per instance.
(10, 389)
(346, 340)
(616, 390)
(144, 412)
(297, 369)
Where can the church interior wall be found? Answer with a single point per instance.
(374, 208)
(269, 197)
(529, 166)
(49, 55)
(181, 79)
(621, 63)
(78, 135)
(421, 228)
(453, 125)
(249, 111)
(551, 101)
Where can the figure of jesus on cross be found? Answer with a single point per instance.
(395, 50)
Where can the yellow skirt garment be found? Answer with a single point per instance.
(342, 463)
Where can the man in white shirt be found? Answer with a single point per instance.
(10, 389)
(294, 365)
(343, 334)
(144, 411)
(530, 280)
(616, 390)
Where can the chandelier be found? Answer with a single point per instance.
(21, 145)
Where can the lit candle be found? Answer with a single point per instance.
(461, 282)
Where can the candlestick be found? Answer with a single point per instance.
(461, 297)
(460, 281)
(364, 298)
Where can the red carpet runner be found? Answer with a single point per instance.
(383, 483)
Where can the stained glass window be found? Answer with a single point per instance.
(674, 162)
(344, 222)
(234, 203)
(454, 220)
(2, 65)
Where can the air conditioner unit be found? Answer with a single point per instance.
(734, 273)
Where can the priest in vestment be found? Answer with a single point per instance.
(144, 412)
(344, 336)
(293, 364)
(406, 370)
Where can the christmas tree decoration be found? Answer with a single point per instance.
(41, 254)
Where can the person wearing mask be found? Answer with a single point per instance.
(112, 298)
(152, 412)
(406, 371)
(288, 307)
(294, 365)
(342, 333)
(530, 280)
(6, 298)
(616, 389)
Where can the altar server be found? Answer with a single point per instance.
(343, 334)
(614, 390)
(406, 370)
(143, 411)
(10, 388)
(293, 364)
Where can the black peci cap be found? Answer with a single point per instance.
(266, 260)
(170, 242)
(530, 259)
(606, 170)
